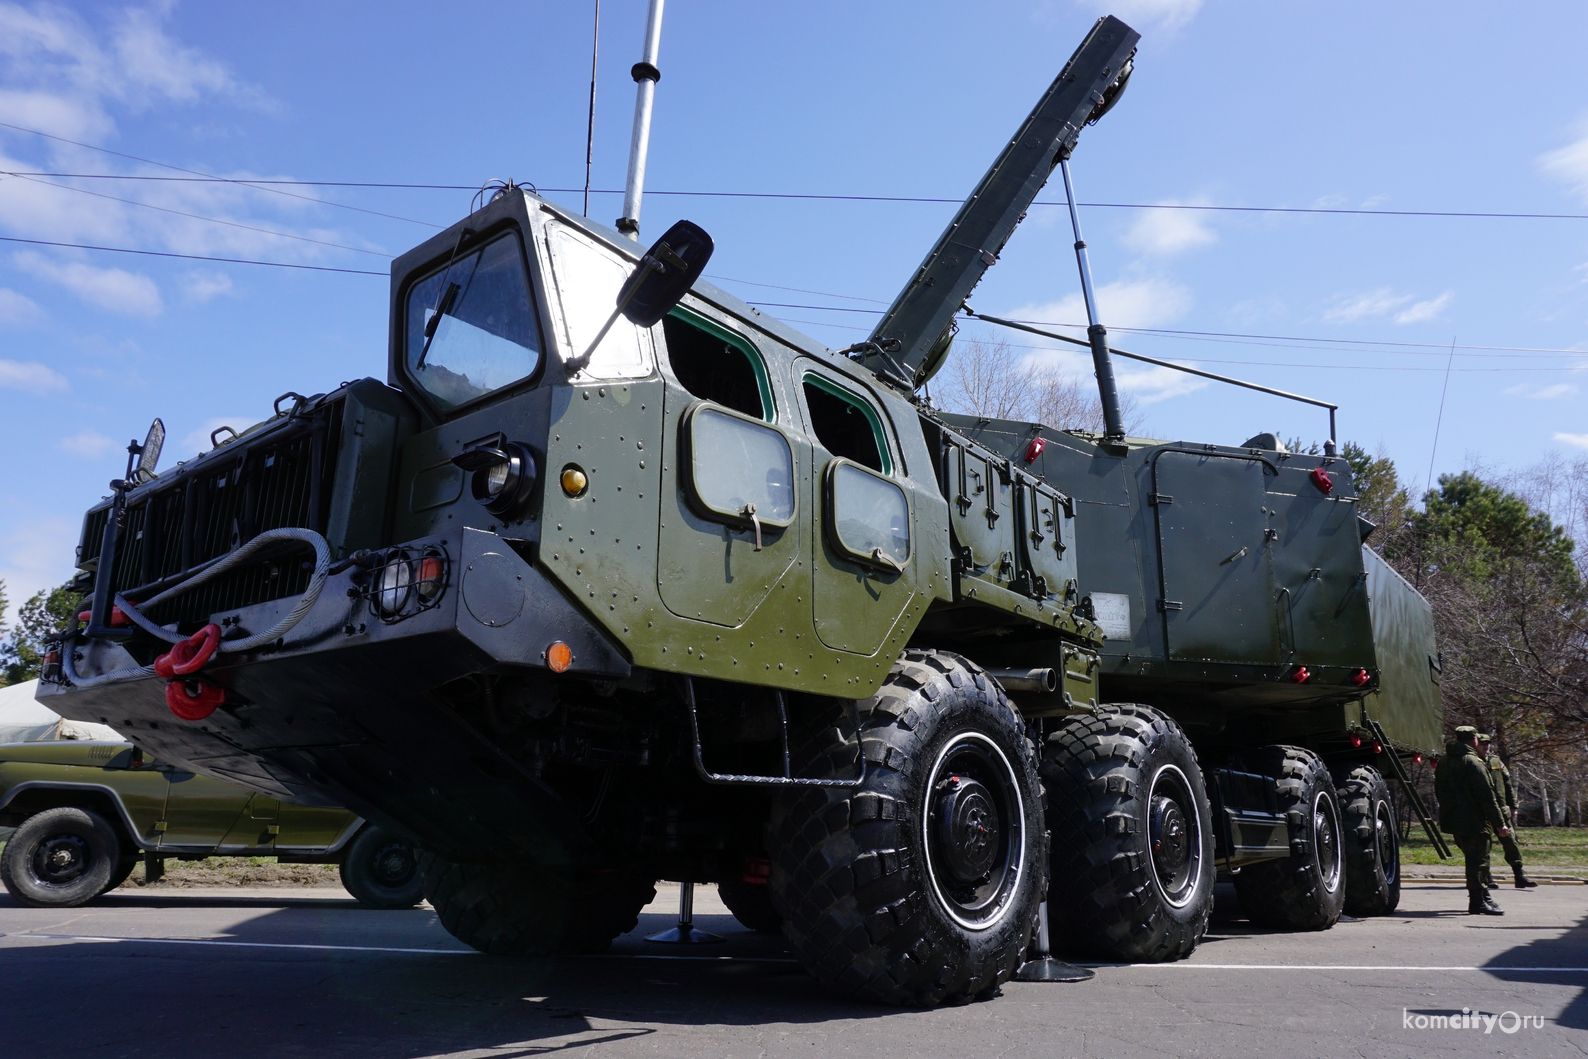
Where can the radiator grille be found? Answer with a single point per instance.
(280, 478)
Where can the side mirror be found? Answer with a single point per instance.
(664, 275)
(149, 453)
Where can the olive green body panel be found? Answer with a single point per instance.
(164, 809)
(1406, 701)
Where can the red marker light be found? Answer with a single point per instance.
(1417, 759)
(1301, 675)
(1034, 449)
(1378, 748)
(1361, 677)
(1321, 479)
(1356, 741)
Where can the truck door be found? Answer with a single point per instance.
(199, 811)
(1218, 599)
(255, 826)
(863, 557)
(312, 826)
(728, 531)
(141, 784)
(1318, 572)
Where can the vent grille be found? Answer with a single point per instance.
(280, 478)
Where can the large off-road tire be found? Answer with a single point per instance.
(60, 858)
(1132, 835)
(751, 905)
(527, 910)
(1372, 844)
(920, 886)
(1306, 890)
(382, 870)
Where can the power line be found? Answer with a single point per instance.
(196, 175)
(191, 257)
(194, 216)
(262, 183)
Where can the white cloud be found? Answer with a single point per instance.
(30, 377)
(1424, 311)
(197, 441)
(1542, 393)
(202, 286)
(89, 444)
(1578, 440)
(1385, 301)
(109, 288)
(1167, 232)
(1157, 384)
(1123, 303)
(18, 308)
(1379, 302)
(1569, 164)
(1164, 14)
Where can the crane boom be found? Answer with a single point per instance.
(901, 347)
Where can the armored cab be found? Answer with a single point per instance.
(616, 579)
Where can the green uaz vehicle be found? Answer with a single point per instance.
(582, 599)
(86, 811)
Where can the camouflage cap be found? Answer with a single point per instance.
(1466, 729)
(1484, 737)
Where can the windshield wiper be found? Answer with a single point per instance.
(431, 325)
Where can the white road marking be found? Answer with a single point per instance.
(1329, 967)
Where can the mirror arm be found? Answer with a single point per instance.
(577, 364)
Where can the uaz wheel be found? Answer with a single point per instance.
(1306, 890)
(60, 858)
(1132, 836)
(751, 905)
(382, 870)
(1372, 844)
(921, 886)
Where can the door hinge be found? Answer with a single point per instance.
(159, 825)
(1170, 604)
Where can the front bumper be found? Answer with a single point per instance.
(339, 712)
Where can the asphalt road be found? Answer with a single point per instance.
(243, 973)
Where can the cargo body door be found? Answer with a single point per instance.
(1217, 589)
(1318, 573)
(981, 506)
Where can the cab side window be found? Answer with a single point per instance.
(715, 366)
(845, 425)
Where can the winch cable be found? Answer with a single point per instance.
(311, 594)
(322, 569)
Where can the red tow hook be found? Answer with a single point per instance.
(187, 657)
(194, 699)
(189, 697)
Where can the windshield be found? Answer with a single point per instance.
(486, 335)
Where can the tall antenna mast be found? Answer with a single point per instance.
(589, 136)
(645, 76)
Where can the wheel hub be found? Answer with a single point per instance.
(394, 865)
(1169, 846)
(60, 859)
(1325, 835)
(1174, 836)
(967, 823)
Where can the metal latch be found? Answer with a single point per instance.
(1170, 604)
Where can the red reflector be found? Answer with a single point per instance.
(757, 870)
(1378, 747)
(1034, 449)
(1321, 479)
(429, 577)
(1417, 759)
(1356, 741)
(1301, 675)
(1433, 762)
(1361, 677)
(52, 658)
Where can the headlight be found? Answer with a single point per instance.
(496, 478)
(393, 585)
(504, 474)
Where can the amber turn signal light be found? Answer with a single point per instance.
(559, 656)
(574, 481)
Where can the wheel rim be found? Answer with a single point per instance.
(1387, 847)
(1174, 836)
(60, 859)
(1326, 840)
(395, 865)
(974, 831)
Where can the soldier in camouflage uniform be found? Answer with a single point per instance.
(1505, 796)
(1468, 811)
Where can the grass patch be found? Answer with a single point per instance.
(1542, 847)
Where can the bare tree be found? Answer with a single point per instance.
(995, 380)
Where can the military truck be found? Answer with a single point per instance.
(616, 578)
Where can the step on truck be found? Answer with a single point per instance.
(617, 579)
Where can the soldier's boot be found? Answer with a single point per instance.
(1522, 881)
(1481, 904)
(1488, 880)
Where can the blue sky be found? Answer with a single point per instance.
(1409, 106)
